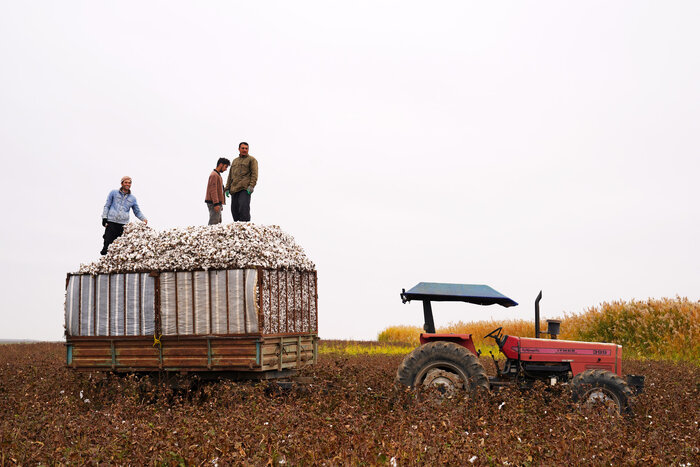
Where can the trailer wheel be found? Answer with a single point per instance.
(445, 365)
(593, 387)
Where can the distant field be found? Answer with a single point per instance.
(363, 348)
(661, 329)
(350, 414)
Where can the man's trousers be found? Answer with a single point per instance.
(214, 215)
(112, 232)
(240, 206)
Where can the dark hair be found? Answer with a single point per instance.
(242, 142)
(223, 160)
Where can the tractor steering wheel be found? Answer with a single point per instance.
(496, 335)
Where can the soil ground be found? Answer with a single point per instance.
(351, 413)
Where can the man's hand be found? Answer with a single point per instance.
(226, 193)
(217, 208)
(145, 221)
(104, 222)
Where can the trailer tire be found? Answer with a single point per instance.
(596, 386)
(446, 365)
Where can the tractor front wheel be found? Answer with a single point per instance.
(595, 387)
(447, 366)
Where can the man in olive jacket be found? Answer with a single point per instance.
(240, 184)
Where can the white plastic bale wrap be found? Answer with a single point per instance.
(202, 323)
(185, 304)
(136, 304)
(235, 301)
(132, 305)
(168, 321)
(116, 305)
(252, 308)
(243, 305)
(219, 318)
(87, 295)
(148, 321)
(201, 306)
(73, 306)
(102, 312)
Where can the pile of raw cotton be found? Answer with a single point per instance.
(222, 246)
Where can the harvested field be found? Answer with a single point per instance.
(351, 414)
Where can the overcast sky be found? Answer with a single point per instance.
(523, 145)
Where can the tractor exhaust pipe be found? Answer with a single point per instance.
(537, 315)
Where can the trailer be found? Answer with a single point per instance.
(252, 323)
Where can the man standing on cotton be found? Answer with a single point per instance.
(116, 212)
(215, 191)
(240, 184)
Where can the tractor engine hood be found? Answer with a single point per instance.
(580, 355)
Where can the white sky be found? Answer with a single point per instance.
(524, 145)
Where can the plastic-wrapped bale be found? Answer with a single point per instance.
(110, 305)
(208, 302)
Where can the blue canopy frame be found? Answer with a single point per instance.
(440, 292)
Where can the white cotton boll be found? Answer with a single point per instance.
(223, 246)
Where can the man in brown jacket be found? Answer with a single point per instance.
(240, 184)
(215, 191)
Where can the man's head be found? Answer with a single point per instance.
(126, 184)
(243, 148)
(222, 164)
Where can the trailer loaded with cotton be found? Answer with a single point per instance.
(238, 300)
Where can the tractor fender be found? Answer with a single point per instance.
(465, 340)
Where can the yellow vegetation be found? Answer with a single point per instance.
(656, 328)
(363, 348)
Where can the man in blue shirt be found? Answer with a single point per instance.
(116, 212)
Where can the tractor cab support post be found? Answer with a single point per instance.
(537, 315)
(429, 325)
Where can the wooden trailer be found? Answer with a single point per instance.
(244, 323)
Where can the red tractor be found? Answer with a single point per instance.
(450, 362)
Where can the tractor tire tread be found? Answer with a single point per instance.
(604, 379)
(459, 356)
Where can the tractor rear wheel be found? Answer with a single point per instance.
(447, 366)
(593, 387)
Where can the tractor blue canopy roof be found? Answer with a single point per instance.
(470, 293)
